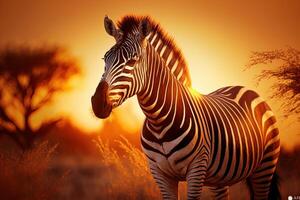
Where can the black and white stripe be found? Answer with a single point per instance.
(216, 140)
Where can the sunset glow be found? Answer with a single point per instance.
(216, 41)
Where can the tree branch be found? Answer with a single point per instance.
(4, 116)
(286, 74)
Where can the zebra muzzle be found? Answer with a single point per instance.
(100, 103)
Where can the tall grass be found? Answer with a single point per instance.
(127, 175)
(117, 170)
(24, 175)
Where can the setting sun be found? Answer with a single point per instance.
(115, 133)
(216, 44)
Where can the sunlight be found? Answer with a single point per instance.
(52, 145)
(216, 47)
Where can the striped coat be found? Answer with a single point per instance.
(216, 140)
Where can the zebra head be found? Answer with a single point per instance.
(125, 67)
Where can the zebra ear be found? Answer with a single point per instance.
(144, 28)
(111, 28)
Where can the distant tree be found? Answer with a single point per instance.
(286, 73)
(29, 79)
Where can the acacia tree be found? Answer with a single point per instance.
(29, 79)
(285, 69)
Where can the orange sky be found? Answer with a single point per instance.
(215, 37)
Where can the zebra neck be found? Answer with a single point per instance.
(162, 100)
(174, 60)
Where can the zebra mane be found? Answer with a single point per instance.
(163, 44)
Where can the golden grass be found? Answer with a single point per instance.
(24, 175)
(127, 176)
(114, 172)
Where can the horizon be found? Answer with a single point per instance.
(215, 38)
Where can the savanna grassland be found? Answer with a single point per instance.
(70, 164)
(45, 90)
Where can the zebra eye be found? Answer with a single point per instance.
(131, 62)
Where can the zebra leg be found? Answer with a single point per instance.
(196, 176)
(220, 193)
(260, 181)
(168, 186)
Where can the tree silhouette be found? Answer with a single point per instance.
(286, 73)
(29, 79)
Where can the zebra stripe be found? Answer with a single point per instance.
(216, 140)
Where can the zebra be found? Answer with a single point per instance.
(214, 140)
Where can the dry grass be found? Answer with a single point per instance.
(24, 175)
(127, 175)
(118, 170)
